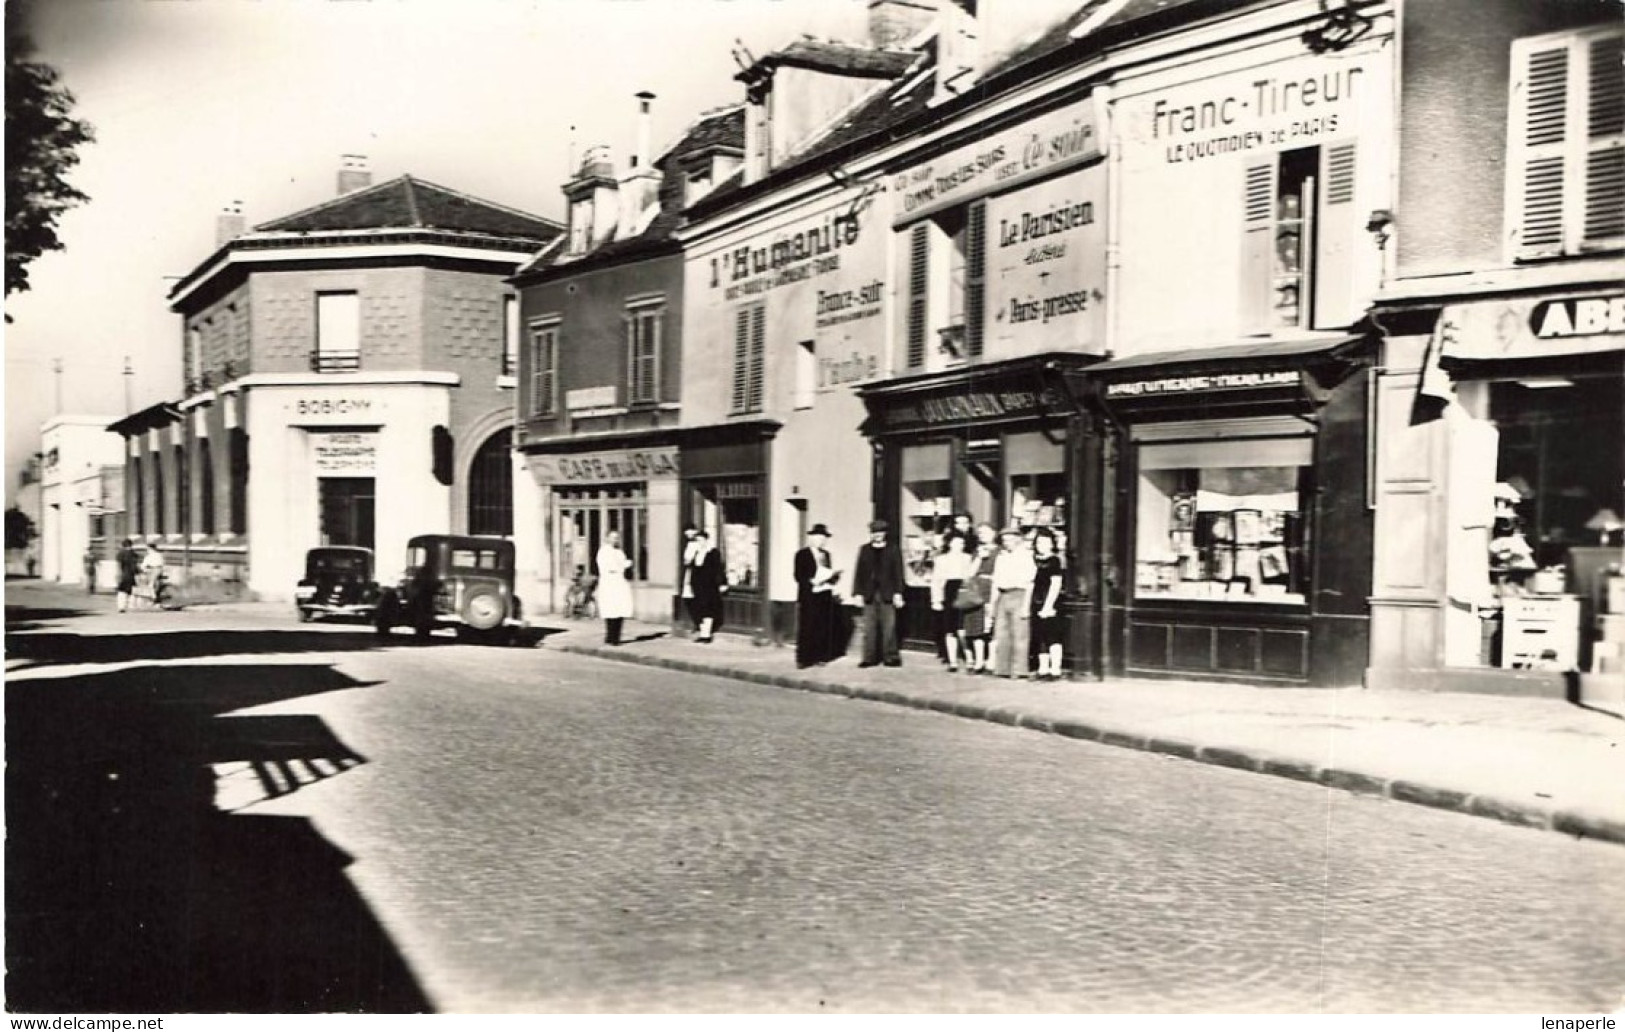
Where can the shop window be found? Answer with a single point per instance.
(338, 332)
(748, 356)
(490, 486)
(643, 332)
(1566, 144)
(544, 372)
(1223, 520)
(1036, 496)
(926, 507)
(731, 512)
(1298, 240)
(586, 514)
(947, 255)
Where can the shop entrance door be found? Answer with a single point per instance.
(347, 511)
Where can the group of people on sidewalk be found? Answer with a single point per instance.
(993, 598)
(701, 588)
(141, 577)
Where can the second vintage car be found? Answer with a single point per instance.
(462, 582)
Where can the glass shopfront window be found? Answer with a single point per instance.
(1223, 520)
(1533, 548)
(730, 511)
(585, 515)
(1036, 485)
(926, 508)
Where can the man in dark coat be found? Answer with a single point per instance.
(815, 600)
(877, 586)
(129, 564)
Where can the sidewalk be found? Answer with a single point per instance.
(1527, 761)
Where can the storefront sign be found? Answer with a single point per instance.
(965, 406)
(344, 454)
(1578, 317)
(1490, 330)
(339, 406)
(804, 253)
(590, 398)
(606, 467)
(1202, 383)
(820, 279)
(1040, 147)
(1286, 104)
(1046, 283)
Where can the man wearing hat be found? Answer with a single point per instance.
(815, 600)
(877, 586)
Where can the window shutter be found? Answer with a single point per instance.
(741, 380)
(1257, 245)
(975, 276)
(919, 250)
(654, 327)
(758, 316)
(1604, 220)
(1337, 234)
(1537, 137)
(542, 373)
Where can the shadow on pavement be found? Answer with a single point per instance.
(128, 891)
(25, 618)
(42, 648)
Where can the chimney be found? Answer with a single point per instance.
(640, 156)
(893, 23)
(229, 224)
(640, 188)
(353, 173)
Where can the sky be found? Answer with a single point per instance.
(197, 103)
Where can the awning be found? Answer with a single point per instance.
(1251, 352)
(1231, 375)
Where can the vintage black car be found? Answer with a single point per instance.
(337, 582)
(461, 582)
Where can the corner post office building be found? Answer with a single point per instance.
(349, 373)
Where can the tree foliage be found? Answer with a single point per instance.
(42, 138)
(19, 528)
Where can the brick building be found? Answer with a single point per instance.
(349, 375)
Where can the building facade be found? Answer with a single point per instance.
(1500, 476)
(1119, 296)
(602, 368)
(1248, 152)
(349, 378)
(786, 280)
(77, 457)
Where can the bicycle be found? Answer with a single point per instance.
(580, 601)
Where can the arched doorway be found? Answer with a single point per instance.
(490, 486)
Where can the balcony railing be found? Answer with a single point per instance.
(335, 361)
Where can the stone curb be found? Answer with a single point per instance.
(1566, 822)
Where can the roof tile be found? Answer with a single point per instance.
(410, 203)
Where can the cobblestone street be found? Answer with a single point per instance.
(540, 831)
